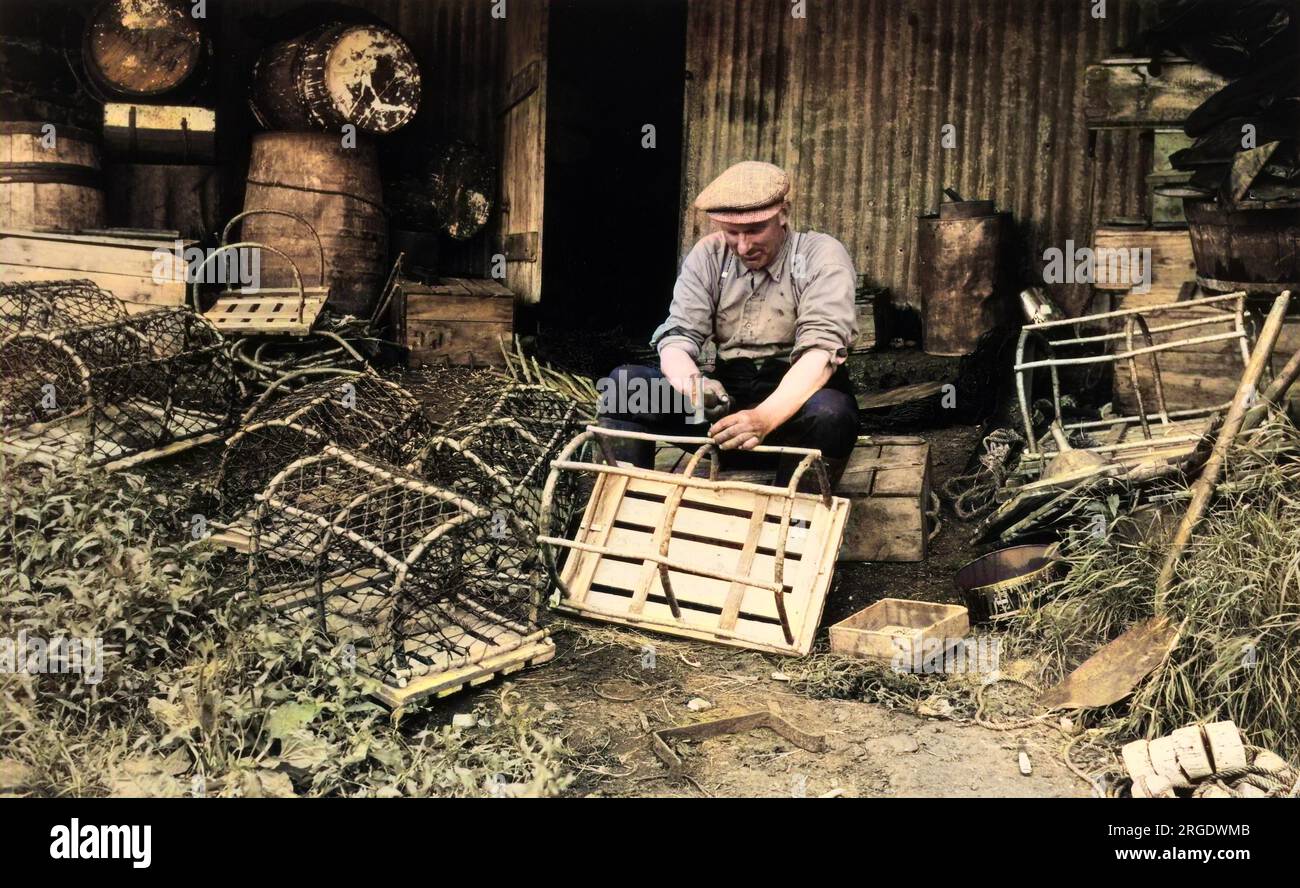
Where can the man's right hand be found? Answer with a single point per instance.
(681, 371)
(716, 400)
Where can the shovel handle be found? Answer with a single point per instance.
(1062, 440)
(1232, 423)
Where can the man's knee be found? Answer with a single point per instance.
(612, 391)
(830, 420)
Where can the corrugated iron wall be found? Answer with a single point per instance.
(852, 100)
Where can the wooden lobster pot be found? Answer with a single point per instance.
(141, 48)
(337, 191)
(958, 269)
(336, 74)
(49, 188)
(887, 483)
(453, 321)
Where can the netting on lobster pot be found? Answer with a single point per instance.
(128, 389)
(390, 563)
(502, 458)
(362, 412)
(54, 305)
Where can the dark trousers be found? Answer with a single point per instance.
(828, 421)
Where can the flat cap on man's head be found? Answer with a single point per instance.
(750, 191)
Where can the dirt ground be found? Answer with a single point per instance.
(603, 696)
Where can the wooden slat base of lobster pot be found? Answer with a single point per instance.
(719, 534)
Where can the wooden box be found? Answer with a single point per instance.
(887, 483)
(142, 270)
(898, 628)
(1124, 93)
(453, 321)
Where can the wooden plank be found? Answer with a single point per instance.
(736, 500)
(697, 589)
(1126, 93)
(1172, 262)
(736, 593)
(140, 132)
(597, 524)
(459, 308)
(447, 683)
(694, 624)
(884, 529)
(698, 522)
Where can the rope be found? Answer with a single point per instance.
(1005, 726)
(973, 494)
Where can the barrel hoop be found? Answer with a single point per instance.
(50, 174)
(355, 197)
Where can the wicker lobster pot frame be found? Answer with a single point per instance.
(116, 392)
(362, 412)
(512, 446)
(54, 305)
(393, 565)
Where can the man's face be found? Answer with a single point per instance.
(757, 243)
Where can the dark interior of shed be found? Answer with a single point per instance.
(610, 237)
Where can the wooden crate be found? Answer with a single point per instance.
(453, 321)
(1126, 93)
(1172, 263)
(892, 628)
(727, 529)
(887, 483)
(144, 272)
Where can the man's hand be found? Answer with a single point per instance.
(716, 399)
(743, 430)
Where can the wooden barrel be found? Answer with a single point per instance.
(960, 275)
(174, 197)
(138, 48)
(339, 73)
(53, 188)
(337, 190)
(1253, 250)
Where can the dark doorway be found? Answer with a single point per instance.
(612, 206)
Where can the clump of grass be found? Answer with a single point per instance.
(1236, 597)
(834, 677)
(200, 692)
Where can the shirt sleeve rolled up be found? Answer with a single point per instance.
(826, 317)
(690, 317)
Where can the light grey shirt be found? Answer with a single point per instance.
(803, 300)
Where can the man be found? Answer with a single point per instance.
(779, 307)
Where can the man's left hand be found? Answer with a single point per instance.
(742, 430)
